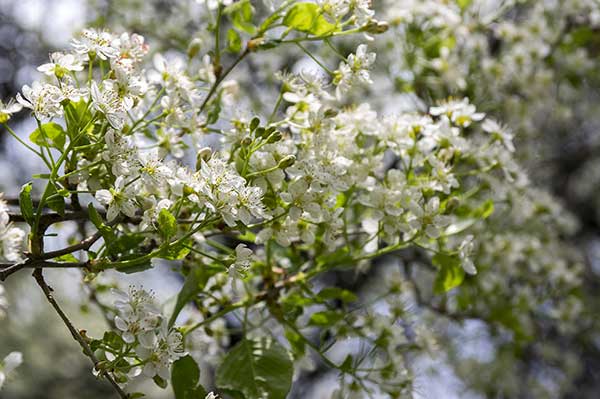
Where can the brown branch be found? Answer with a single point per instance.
(51, 218)
(83, 245)
(6, 269)
(37, 274)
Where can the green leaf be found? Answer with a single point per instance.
(271, 20)
(296, 342)
(69, 258)
(347, 364)
(77, 116)
(185, 376)
(487, 209)
(113, 340)
(240, 14)
(160, 382)
(450, 274)
(175, 252)
(107, 233)
(52, 134)
(326, 318)
(234, 41)
(337, 293)
(214, 110)
(258, 369)
(167, 224)
(463, 4)
(340, 257)
(125, 243)
(307, 17)
(55, 200)
(26, 203)
(194, 283)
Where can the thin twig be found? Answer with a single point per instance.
(222, 77)
(6, 269)
(51, 218)
(83, 245)
(37, 274)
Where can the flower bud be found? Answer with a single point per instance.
(376, 27)
(246, 141)
(255, 44)
(187, 190)
(259, 132)
(254, 123)
(452, 204)
(194, 47)
(274, 137)
(286, 162)
(204, 154)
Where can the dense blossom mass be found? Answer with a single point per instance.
(163, 155)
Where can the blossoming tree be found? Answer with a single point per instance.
(148, 154)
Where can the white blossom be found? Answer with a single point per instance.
(355, 70)
(7, 109)
(95, 43)
(61, 64)
(465, 250)
(11, 238)
(118, 199)
(459, 112)
(43, 99)
(8, 365)
(110, 104)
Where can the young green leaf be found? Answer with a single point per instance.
(185, 376)
(450, 274)
(194, 283)
(307, 17)
(55, 201)
(240, 14)
(175, 252)
(160, 382)
(258, 369)
(326, 318)
(337, 293)
(234, 41)
(26, 203)
(167, 224)
(107, 233)
(51, 134)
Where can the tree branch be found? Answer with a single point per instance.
(37, 274)
(83, 245)
(6, 269)
(51, 218)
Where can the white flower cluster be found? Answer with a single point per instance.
(354, 70)
(142, 179)
(343, 151)
(336, 10)
(481, 47)
(145, 331)
(316, 185)
(11, 237)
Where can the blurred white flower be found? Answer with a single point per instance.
(10, 362)
(7, 109)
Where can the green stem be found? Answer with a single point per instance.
(329, 71)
